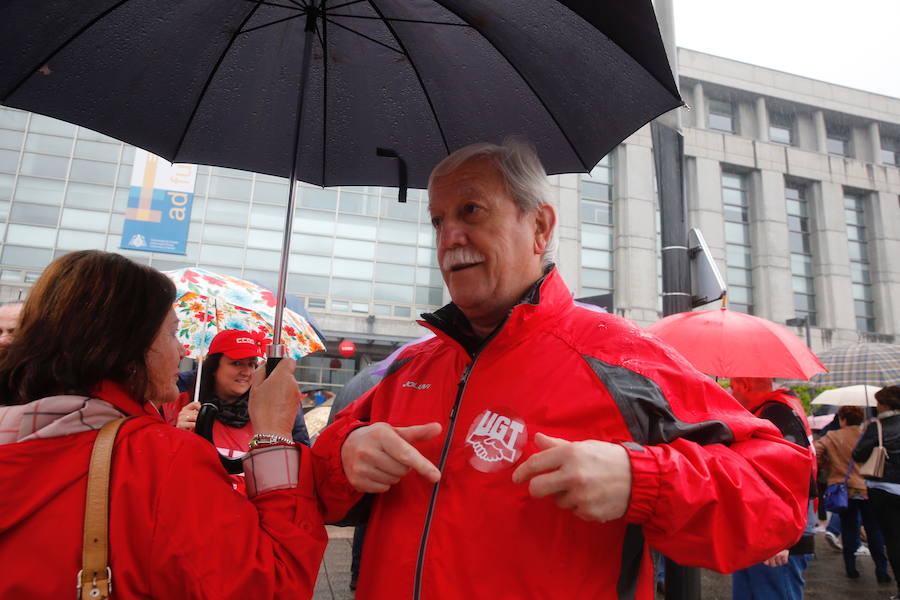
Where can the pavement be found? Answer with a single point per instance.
(825, 577)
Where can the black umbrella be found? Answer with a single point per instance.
(218, 81)
(332, 92)
(222, 82)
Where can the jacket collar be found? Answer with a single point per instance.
(547, 297)
(115, 394)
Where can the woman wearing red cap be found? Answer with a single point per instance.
(228, 368)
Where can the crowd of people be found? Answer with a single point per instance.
(532, 448)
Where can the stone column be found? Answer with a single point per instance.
(769, 247)
(884, 248)
(704, 203)
(762, 119)
(635, 239)
(699, 108)
(834, 298)
(875, 142)
(568, 253)
(821, 132)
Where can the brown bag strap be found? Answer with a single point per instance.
(95, 577)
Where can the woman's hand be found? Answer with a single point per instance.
(187, 417)
(274, 400)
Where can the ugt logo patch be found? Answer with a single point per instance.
(496, 439)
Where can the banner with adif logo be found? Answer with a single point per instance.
(159, 205)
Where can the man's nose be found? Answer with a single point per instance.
(452, 234)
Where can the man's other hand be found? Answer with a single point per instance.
(377, 456)
(779, 560)
(591, 478)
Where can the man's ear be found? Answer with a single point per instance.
(544, 223)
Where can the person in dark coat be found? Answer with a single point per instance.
(353, 389)
(884, 491)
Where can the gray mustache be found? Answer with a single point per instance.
(460, 256)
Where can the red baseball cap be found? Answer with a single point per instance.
(237, 344)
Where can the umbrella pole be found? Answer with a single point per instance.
(275, 351)
(196, 397)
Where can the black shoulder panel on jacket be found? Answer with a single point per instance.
(395, 366)
(786, 420)
(648, 414)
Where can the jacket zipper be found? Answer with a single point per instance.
(445, 451)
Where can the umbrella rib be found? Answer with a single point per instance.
(276, 5)
(397, 20)
(352, 2)
(298, 15)
(59, 49)
(362, 35)
(209, 79)
(418, 75)
(540, 99)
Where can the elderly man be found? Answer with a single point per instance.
(9, 320)
(536, 449)
(780, 577)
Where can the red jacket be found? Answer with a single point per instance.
(177, 529)
(705, 472)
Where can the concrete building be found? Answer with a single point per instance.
(795, 184)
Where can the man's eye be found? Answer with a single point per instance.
(470, 208)
(436, 222)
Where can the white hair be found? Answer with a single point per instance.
(520, 169)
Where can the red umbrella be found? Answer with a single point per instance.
(727, 343)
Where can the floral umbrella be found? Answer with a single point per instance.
(207, 303)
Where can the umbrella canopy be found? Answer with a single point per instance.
(727, 343)
(222, 82)
(325, 91)
(873, 364)
(382, 366)
(817, 422)
(207, 303)
(853, 395)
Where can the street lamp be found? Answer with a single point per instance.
(798, 322)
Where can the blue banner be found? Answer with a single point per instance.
(158, 215)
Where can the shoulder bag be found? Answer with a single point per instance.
(874, 465)
(836, 497)
(94, 581)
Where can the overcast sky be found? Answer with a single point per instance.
(852, 43)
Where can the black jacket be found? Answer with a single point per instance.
(891, 433)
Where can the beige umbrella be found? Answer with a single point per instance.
(853, 395)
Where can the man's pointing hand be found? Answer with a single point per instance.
(377, 456)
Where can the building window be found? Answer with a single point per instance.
(890, 151)
(595, 199)
(721, 116)
(803, 283)
(860, 278)
(837, 140)
(736, 208)
(781, 127)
